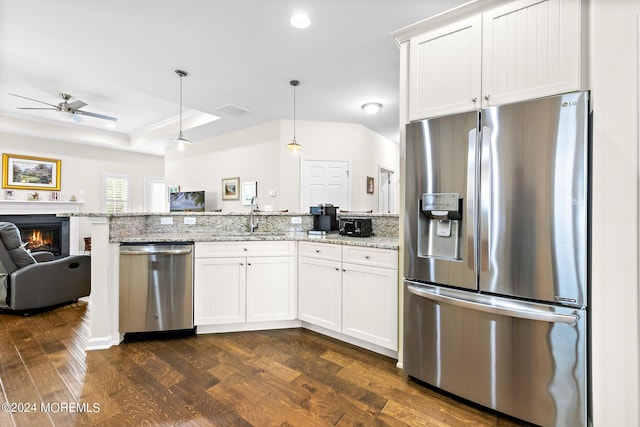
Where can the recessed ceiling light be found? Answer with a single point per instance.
(300, 20)
(110, 125)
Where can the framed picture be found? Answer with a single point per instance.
(231, 189)
(370, 185)
(249, 191)
(30, 173)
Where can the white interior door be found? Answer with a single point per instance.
(386, 191)
(325, 181)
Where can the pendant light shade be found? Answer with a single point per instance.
(293, 145)
(181, 141)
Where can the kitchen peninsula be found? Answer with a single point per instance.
(349, 266)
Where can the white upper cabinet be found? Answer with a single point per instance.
(516, 51)
(530, 49)
(444, 70)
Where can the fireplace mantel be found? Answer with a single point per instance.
(44, 207)
(38, 207)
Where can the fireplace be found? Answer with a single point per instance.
(42, 232)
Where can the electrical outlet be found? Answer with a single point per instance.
(296, 220)
(189, 220)
(166, 220)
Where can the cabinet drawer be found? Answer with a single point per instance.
(231, 249)
(320, 250)
(374, 257)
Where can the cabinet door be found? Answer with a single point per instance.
(530, 49)
(219, 291)
(271, 288)
(444, 70)
(320, 292)
(370, 304)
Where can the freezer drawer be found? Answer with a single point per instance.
(156, 287)
(523, 359)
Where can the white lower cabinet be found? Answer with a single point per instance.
(257, 287)
(219, 291)
(320, 292)
(351, 290)
(271, 288)
(370, 304)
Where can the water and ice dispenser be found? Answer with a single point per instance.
(440, 226)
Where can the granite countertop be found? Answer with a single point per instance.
(381, 242)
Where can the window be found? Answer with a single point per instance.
(116, 193)
(155, 194)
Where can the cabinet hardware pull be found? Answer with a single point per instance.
(248, 263)
(487, 96)
(367, 257)
(337, 269)
(317, 251)
(245, 249)
(344, 269)
(475, 99)
(241, 264)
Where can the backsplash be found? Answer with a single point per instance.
(127, 225)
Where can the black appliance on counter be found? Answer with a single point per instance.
(357, 227)
(324, 217)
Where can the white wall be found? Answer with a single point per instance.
(615, 299)
(251, 154)
(259, 154)
(82, 168)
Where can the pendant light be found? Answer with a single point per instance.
(181, 141)
(293, 145)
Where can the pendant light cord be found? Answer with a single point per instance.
(294, 83)
(181, 74)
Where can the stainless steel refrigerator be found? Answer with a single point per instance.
(496, 254)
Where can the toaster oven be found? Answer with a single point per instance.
(357, 227)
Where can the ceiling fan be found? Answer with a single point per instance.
(66, 107)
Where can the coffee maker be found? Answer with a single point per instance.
(324, 218)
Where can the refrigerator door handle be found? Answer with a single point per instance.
(485, 198)
(471, 199)
(514, 311)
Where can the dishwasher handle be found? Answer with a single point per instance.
(157, 252)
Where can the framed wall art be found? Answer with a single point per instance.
(30, 173)
(249, 191)
(231, 189)
(370, 185)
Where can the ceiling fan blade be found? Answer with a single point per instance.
(96, 115)
(35, 100)
(76, 104)
(36, 108)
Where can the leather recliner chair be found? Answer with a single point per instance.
(33, 281)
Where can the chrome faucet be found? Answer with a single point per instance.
(254, 205)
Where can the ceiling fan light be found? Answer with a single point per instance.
(371, 108)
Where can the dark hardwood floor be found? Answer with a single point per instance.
(290, 377)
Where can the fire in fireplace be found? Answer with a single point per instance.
(42, 232)
(39, 239)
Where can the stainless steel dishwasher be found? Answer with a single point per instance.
(156, 287)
